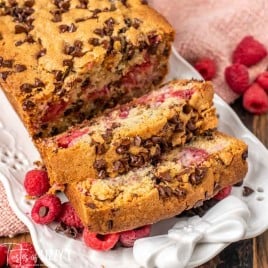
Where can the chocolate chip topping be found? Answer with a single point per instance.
(68, 63)
(99, 164)
(136, 160)
(66, 28)
(4, 75)
(29, 3)
(94, 41)
(164, 191)
(197, 176)
(6, 63)
(247, 191)
(21, 29)
(119, 166)
(20, 68)
(41, 53)
(28, 105)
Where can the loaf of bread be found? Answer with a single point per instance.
(131, 135)
(183, 178)
(62, 61)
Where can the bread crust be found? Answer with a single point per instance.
(225, 166)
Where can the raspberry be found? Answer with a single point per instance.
(100, 242)
(66, 140)
(249, 51)
(36, 182)
(206, 67)
(223, 193)
(128, 238)
(46, 209)
(68, 216)
(255, 100)
(3, 255)
(237, 77)
(53, 111)
(262, 80)
(22, 255)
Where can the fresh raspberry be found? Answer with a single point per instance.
(255, 99)
(128, 238)
(36, 182)
(3, 255)
(262, 80)
(100, 242)
(22, 255)
(223, 193)
(67, 139)
(249, 51)
(237, 77)
(46, 209)
(68, 216)
(206, 67)
(54, 111)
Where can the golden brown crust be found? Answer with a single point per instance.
(39, 36)
(174, 122)
(224, 166)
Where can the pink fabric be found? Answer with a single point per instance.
(10, 225)
(211, 28)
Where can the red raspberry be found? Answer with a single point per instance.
(100, 242)
(3, 255)
(206, 67)
(53, 111)
(128, 238)
(22, 255)
(69, 217)
(262, 80)
(65, 140)
(255, 100)
(46, 209)
(36, 182)
(249, 51)
(237, 78)
(223, 193)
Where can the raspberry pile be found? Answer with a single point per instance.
(255, 96)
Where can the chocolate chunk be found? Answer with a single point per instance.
(136, 160)
(164, 191)
(100, 148)
(41, 53)
(21, 29)
(7, 63)
(165, 176)
(85, 83)
(29, 39)
(197, 176)
(18, 43)
(29, 3)
(122, 149)
(20, 68)
(58, 75)
(186, 109)
(38, 83)
(83, 4)
(247, 191)
(68, 63)
(99, 32)
(102, 174)
(128, 22)
(94, 41)
(28, 105)
(156, 140)
(91, 205)
(99, 164)
(66, 28)
(180, 192)
(108, 136)
(245, 155)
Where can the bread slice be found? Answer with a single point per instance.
(131, 135)
(183, 177)
(94, 55)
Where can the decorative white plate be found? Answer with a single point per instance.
(17, 154)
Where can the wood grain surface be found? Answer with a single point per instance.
(244, 254)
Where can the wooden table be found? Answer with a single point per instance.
(244, 254)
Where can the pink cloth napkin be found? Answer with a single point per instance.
(206, 28)
(10, 225)
(211, 28)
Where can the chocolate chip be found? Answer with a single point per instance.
(18, 43)
(108, 136)
(20, 68)
(66, 28)
(124, 2)
(41, 53)
(119, 166)
(156, 140)
(99, 164)
(136, 23)
(83, 4)
(43, 211)
(100, 148)
(38, 83)
(99, 32)
(136, 160)
(137, 141)
(91, 205)
(110, 224)
(4, 75)
(68, 63)
(186, 109)
(180, 192)
(165, 176)
(191, 125)
(94, 41)
(116, 125)
(102, 174)
(58, 75)
(245, 155)
(21, 29)
(29, 39)
(7, 63)
(29, 3)
(28, 105)
(247, 191)
(57, 17)
(197, 176)
(1, 37)
(128, 22)
(164, 191)
(27, 88)
(238, 184)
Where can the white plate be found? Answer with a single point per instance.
(56, 250)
